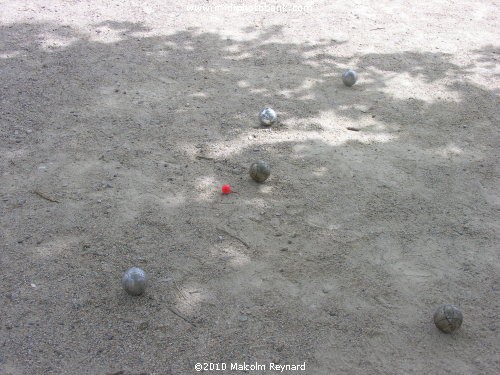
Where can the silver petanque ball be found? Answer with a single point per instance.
(448, 318)
(349, 77)
(268, 117)
(134, 281)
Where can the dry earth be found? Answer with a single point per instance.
(338, 260)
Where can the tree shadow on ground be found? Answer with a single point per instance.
(134, 133)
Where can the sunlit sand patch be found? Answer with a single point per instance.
(363, 108)
(243, 83)
(449, 150)
(170, 44)
(241, 56)
(14, 154)
(286, 93)
(404, 86)
(258, 91)
(143, 34)
(206, 187)
(319, 171)
(306, 97)
(51, 41)
(266, 189)
(198, 95)
(233, 49)
(306, 89)
(9, 55)
(234, 257)
(309, 84)
(363, 137)
(298, 136)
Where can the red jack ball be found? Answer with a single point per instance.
(226, 189)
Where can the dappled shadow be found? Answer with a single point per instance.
(429, 66)
(488, 55)
(133, 134)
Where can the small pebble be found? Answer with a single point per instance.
(75, 306)
(243, 318)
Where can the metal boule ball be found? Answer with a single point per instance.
(260, 171)
(134, 281)
(268, 117)
(448, 318)
(349, 77)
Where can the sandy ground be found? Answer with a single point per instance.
(338, 260)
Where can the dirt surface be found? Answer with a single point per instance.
(120, 122)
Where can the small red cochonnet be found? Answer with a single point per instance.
(226, 189)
